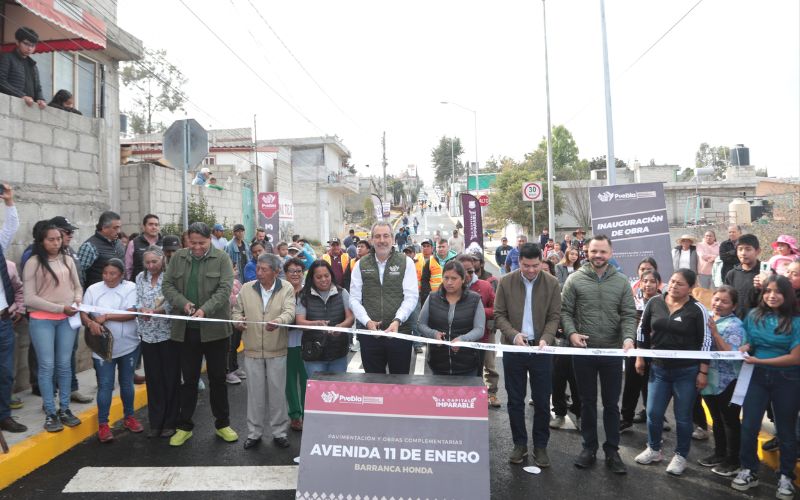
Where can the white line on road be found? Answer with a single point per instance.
(165, 479)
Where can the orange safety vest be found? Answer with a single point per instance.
(436, 273)
(345, 260)
(420, 263)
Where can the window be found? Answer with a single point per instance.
(74, 72)
(210, 160)
(706, 202)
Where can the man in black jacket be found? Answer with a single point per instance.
(19, 76)
(727, 250)
(741, 277)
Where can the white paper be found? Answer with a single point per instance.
(532, 469)
(742, 383)
(75, 321)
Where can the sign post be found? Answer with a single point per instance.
(532, 191)
(185, 146)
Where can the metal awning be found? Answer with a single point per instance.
(60, 24)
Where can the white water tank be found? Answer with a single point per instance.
(739, 211)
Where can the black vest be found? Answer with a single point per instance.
(106, 250)
(140, 244)
(334, 346)
(442, 359)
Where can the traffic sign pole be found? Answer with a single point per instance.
(185, 173)
(533, 220)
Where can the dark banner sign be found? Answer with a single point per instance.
(269, 215)
(634, 216)
(373, 440)
(473, 222)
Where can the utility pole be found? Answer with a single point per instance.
(551, 213)
(383, 145)
(611, 162)
(255, 156)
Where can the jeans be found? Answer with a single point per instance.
(516, 369)
(192, 351)
(679, 383)
(728, 427)
(33, 368)
(53, 341)
(563, 374)
(609, 370)
(6, 367)
(335, 366)
(125, 365)
(782, 387)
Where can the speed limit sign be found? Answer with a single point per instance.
(532, 191)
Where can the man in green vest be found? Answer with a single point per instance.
(383, 295)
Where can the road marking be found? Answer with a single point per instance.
(166, 479)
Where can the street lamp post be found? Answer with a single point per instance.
(551, 213)
(475, 131)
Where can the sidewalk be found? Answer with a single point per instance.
(35, 447)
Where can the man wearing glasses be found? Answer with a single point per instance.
(19, 75)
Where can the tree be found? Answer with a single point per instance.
(566, 164)
(577, 203)
(599, 163)
(397, 188)
(443, 157)
(155, 85)
(369, 212)
(718, 158)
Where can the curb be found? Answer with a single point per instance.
(36, 451)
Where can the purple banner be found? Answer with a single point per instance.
(473, 222)
(269, 214)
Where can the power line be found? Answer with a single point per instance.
(299, 63)
(235, 54)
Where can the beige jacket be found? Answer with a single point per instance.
(258, 341)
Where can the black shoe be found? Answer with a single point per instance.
(249, 443)
(640, 417)
(615, 464)
(281, 442)
(771, 445)
(52, 424)
(625, 425)
(11, 425)
(68, 419)
(587, 458)
(154, 433)
(711, 460)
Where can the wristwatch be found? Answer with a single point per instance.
(399, 321)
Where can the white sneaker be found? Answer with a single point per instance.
(677, 465)
(232, 379)
(785, 488)
(744, 480)
(649, 456)
(241, 373)
(699, 434)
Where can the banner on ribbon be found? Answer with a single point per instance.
(634, 217)
(473, 223)
(367, 439)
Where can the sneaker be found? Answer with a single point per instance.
(649, 456)
(52, 423)
(744, 480)
(625, 426)
(132, 424)
(541, 458)
(104, 433)
(700, 434)
(493, 401)
(68, 419)
(227, 434)
(586, 459)
(11, 425)
(640, 417)
(771, 445)
(77, 397)
(615, 464)
(518, 454)
(232, 379)
(557, 422)
(725, 470)
(15, 403)
(241, 374)
(785, 488)
(180, 437)
(677, 465)
(711, 460)
(201, 386)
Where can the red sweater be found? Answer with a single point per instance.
(486, 291)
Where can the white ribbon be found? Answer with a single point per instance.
(742, 383)
(570, 351)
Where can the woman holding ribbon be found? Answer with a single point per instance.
(772, 344)
(161, 362)
(728, 331)
(114, 293)
(456, 314)
(322, 303)
(675, 322)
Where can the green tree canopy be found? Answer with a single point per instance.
(443, 157)
(156, 86)
(716, 157)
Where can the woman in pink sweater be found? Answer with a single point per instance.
(51, 288)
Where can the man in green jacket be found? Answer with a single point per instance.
(598, 312)
(198, 283)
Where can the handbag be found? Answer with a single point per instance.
(313, 348)
(102, 345)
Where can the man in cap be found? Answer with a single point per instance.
(501, 253)
(432, 270)
(239, 251)
(202, 177)
(339, 262)
(171, 244)
(218, 241)
(19, 75)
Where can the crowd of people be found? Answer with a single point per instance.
(277, 302)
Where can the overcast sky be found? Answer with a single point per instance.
(728, 73)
